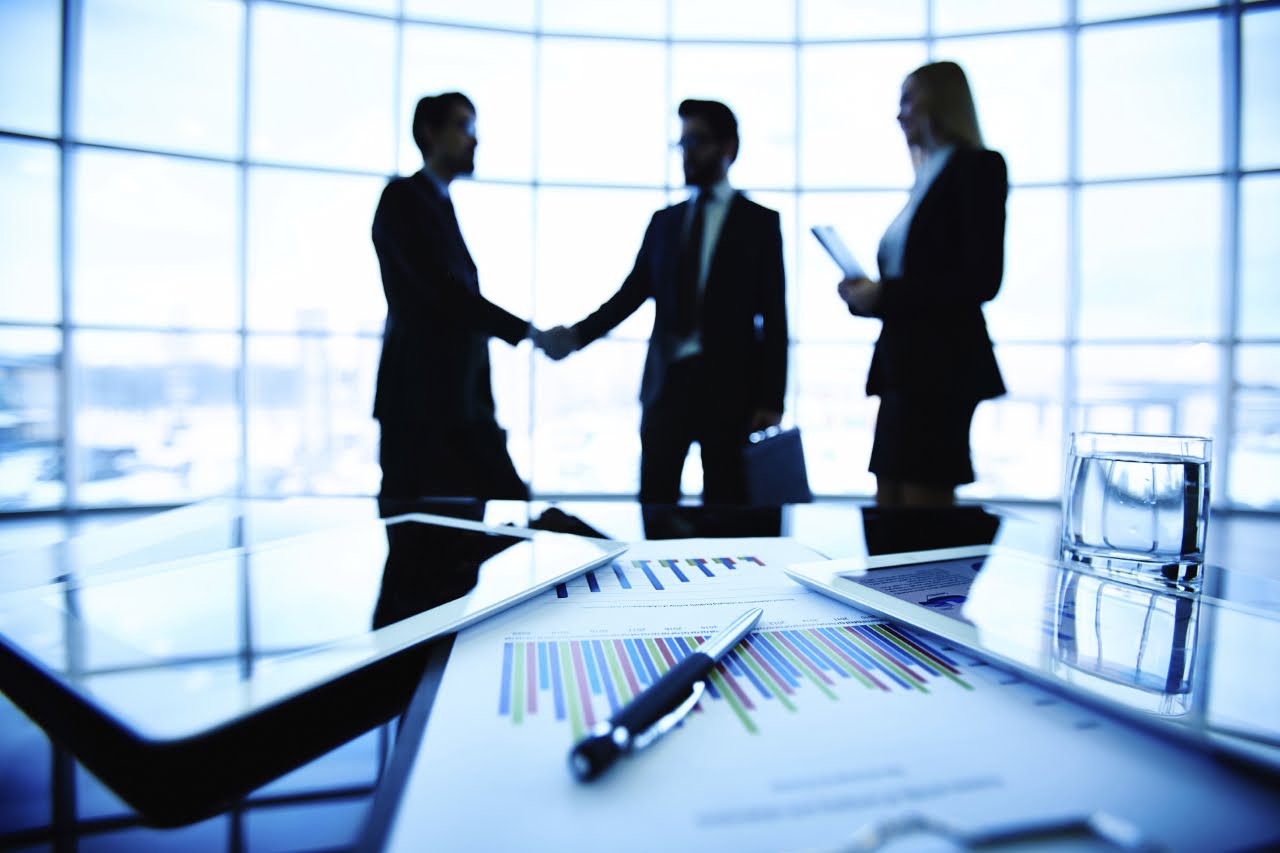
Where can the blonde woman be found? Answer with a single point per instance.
(939, 261)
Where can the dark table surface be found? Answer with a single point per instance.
(48, 801)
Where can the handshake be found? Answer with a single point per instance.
(555, 343)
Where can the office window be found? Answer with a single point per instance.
(828, 388)
(587, 417)
(774, 20)
(311, 259)
(1150, 389)
(1016, 440)
(966, 16)
(641, 18)
(1022, 115)
(29, 268)
(1032, 302)
(1097, 10)
(30, 52)
(849, 134)
(226, 238)
(1259, 308)
(156, 415)
(494, 70)
(603, 114)
(154, 242)
(758, 84)
(162, 75)
(843, 19)
(816, 311)
(321, 88)
(31, 469)
(513, 14)
(1158, 88)
(1260, 110)
(309, 425)
(1151, 260)
(1254, 466)
(588, 239)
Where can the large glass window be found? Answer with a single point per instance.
(162, 75)
(30, 48)
(29, 267)
(223, 160)
(1151, 98)
(155, 242)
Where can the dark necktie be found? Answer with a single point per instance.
(690, 270)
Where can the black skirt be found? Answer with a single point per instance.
(923, 439)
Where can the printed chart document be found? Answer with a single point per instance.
(824, 719)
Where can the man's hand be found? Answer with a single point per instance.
(764, 418)
(556, 343)
(862, 295)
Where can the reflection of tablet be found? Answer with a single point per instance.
(1189, 664)
(838, 251)
(184, 683)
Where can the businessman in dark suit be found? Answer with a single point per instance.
(717, 363)
(434, 401)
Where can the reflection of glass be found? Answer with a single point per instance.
(162, 75)
(1135, 646)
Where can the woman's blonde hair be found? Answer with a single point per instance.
(949, 102)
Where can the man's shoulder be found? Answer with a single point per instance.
(753, 210)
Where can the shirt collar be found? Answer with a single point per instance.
(441, 186)
(720, 191)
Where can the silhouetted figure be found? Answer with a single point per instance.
(939, 261)
(434, 400)
(717, 363)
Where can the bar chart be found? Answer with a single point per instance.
(583, 681)
(656, 575)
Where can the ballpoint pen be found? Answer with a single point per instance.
(659, 709)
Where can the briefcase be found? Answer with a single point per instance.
(776, 474)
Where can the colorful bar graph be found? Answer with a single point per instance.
(587, 680)
(658, 575)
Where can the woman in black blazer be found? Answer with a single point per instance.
(939, 261)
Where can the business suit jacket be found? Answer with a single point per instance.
(434, 368)
(744, 312)
(934, 337)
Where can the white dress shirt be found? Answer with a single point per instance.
(719, 195)
(894, 242)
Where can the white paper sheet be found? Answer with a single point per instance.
(799, 757)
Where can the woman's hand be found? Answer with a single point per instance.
(862, 295)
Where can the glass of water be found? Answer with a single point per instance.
(1138, 504)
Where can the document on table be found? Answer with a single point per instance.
(823, 720)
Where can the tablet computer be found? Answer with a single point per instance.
(1194, 664)
(839, 252)
(188, 682)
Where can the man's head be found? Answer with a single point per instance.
(709, 139)
(444, 128)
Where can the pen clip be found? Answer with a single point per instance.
(671, 720)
